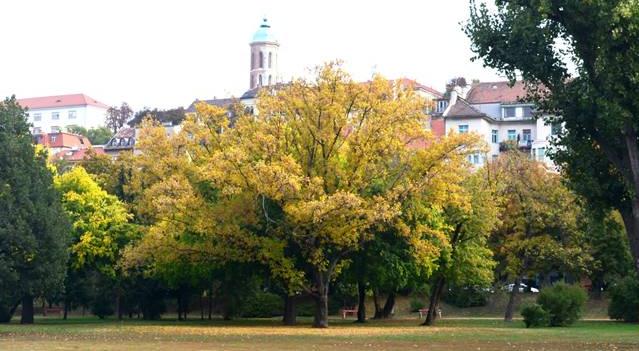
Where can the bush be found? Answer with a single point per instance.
(624, 300)
(262, 305)
(563, 303)
(535, 316)
(416, 304)
(102, 306)
(468, 296)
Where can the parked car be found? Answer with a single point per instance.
(522, 288)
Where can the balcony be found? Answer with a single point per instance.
(521, 145)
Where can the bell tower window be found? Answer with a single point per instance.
(261, 59)
(270, 60)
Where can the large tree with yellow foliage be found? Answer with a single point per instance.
(301, 186)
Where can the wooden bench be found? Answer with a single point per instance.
(345, 311)
(424, 311)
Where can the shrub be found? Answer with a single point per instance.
(624, 300)
(535, 316)
(468, 296)
(102, 306)
(563, 303)
(416, 304)
(262, 305)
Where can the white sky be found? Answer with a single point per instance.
(167, 53)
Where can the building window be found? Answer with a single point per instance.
(493, 136)
(269, 79)
(510, 112)
(37, 117)
(541, 154)
(270, 59)
(260, 82)
(55, 129)
(555, 128)
(261, 59)
(72, 114)
(527, 111)
(512, 134)
(55, 115)
(37, 130)
(441, 105)
(463, 128)
(252, 60)
(53, 138)
(476, 159)
(252, 81)
(527, 136)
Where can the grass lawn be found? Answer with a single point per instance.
(265, 334)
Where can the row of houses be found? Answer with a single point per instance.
(495, 110)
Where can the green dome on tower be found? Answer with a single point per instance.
(264, 33)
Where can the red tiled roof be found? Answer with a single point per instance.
(77, 154)
(417, 85)
(501, 92)
(62, 140)
(60, 101)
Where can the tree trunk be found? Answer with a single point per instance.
(321, 310)
(44, 307)
(433, 305)
(27, 310)
(66, 309)
(179, 305)
(596, 290)
(510, 308)
(631, 222)
(631, 218)
(201, 307)
(378, 308)
(210, 303)
(387, 311)
(290, 314)
(361, 302)
(118, 303)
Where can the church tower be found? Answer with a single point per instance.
(264, 58)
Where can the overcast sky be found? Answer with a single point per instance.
(166, 53)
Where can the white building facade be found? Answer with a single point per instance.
(53, 114)
(500, 115)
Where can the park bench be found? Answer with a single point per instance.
(424, 311)
(345, 311)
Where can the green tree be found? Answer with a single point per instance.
(100, 227)
(33, 226)
(466, 260)
(97, 136)
(608, 245)
(579, 59)
(174, 116)
(538, 229)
